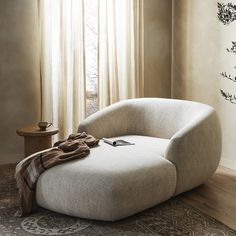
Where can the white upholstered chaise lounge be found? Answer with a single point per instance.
(177, 147)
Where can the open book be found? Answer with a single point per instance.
(117, 142)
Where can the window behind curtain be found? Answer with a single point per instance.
(91, 52)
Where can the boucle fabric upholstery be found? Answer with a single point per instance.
(112, 182)
(193, 128)
(177, 147)
(195, 150)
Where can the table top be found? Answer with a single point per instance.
(33, 130)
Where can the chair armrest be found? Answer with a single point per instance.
(195, 151)
(109, 122)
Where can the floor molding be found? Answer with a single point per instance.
(8, 159)
(228, 163)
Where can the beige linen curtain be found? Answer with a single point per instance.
(120, 48)
(62, 56)
(62, 63)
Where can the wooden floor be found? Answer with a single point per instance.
(216, 198)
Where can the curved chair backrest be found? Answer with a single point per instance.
(161, 117)
(154, 117)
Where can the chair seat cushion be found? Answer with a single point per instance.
(112, 182)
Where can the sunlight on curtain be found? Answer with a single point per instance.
(62, 63)
(120, 48)
(90, 57)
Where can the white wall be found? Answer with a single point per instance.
(200, 43)
(19, 74)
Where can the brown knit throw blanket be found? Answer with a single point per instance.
(75, 147)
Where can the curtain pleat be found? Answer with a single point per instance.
(120, 65)
(139, 47)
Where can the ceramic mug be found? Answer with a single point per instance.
(43, 125)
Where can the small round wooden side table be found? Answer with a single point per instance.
(36, 140)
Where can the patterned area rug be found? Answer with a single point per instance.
(173, 217)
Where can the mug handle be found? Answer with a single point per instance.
(49, 124)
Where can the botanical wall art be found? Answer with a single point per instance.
(227, 14)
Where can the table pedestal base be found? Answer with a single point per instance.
(36, 144)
